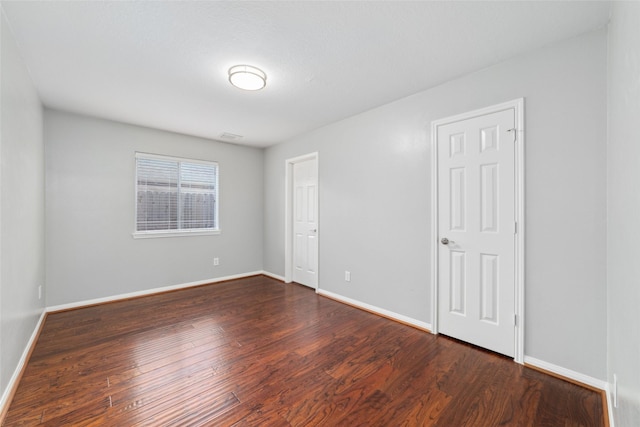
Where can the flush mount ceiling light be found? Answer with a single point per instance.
(247, 77)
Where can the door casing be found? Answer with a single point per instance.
(288, 215)
(518, 106)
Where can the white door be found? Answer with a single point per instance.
(305, 222)
(476, 227)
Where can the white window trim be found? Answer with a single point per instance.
(174, 233)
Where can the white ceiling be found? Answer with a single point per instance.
(164, 64)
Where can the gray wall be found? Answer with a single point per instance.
(375, 197)
(21, 207)
(624, 211)
(374, 204)
(90, 170)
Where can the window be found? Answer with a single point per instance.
(175, 196)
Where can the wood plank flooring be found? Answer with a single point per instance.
(257, 352)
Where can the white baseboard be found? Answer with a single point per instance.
(576, 377)
(21, 363)
(273, 276)
(377, 310)
(564, 372)
(147, 292)
(610, 404)
(567, 373)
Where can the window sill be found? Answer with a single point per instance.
(178, 233)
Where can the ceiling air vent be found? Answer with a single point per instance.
(230, 136)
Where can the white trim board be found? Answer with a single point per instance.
(273, 276)
(518, 106)
(31, 343)
(146, 292)
(376, 310)
(21, 363)
(567, 373)
(558, 370)
(609, 393)
(576, 377)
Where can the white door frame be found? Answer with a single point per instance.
(518, 105)
(288, 215)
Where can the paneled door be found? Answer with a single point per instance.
(305, 222)
(476, 227)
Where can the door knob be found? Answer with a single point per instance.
(445, 241)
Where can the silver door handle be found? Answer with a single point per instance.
(446, 241)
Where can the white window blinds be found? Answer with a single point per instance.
(175, 195)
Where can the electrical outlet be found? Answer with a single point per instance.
(615, 391)
(216, 261)
(40, 292)
(347, 276)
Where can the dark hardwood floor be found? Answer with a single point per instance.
(257, 352)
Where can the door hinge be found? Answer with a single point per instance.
(515, 227)
(515, 320)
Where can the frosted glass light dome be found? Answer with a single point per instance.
(247, 77)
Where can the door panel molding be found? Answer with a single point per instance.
(288, 213)
(456, 146)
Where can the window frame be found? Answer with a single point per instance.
(145, 234)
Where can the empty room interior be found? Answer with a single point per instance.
(320, 213)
